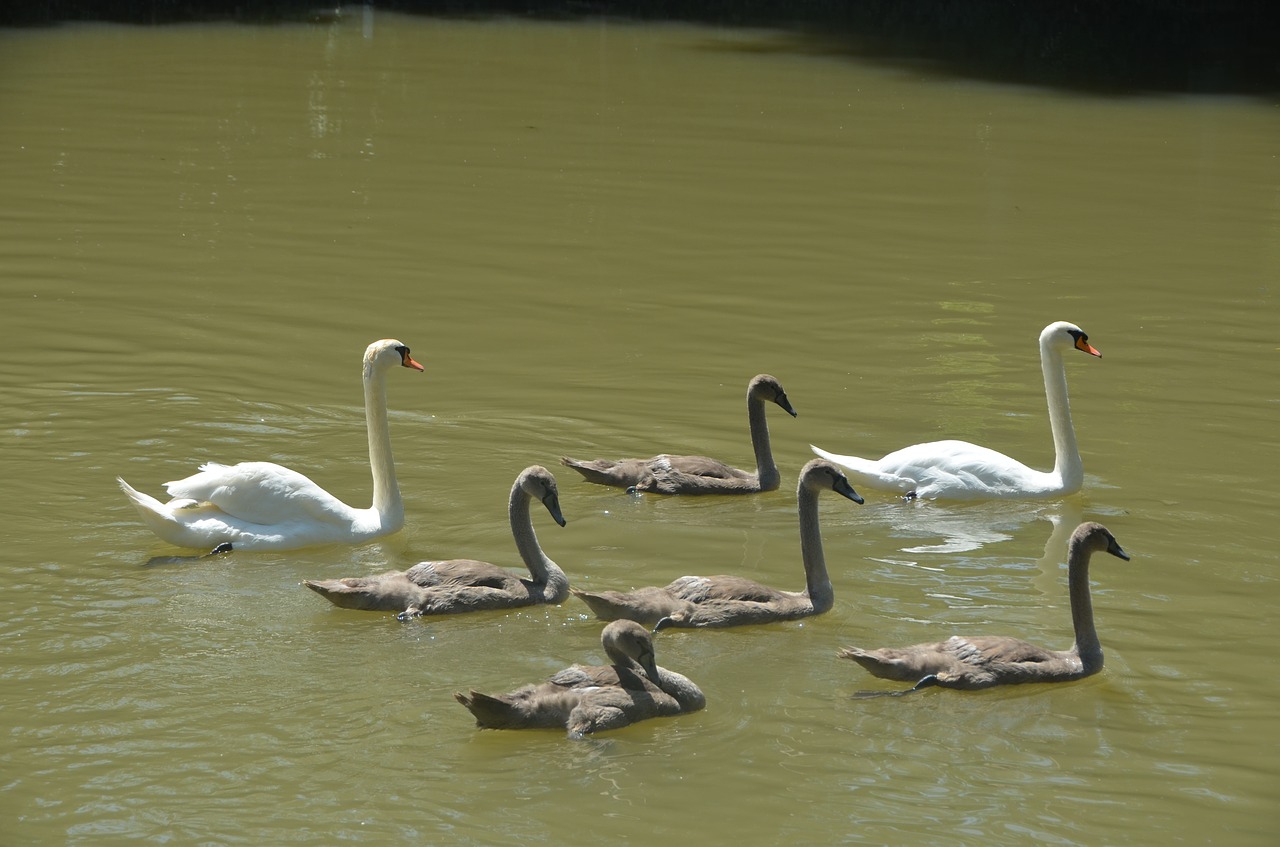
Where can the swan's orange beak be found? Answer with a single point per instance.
(1081, 344)
(408, 362)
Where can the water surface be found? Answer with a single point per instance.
(593, 235)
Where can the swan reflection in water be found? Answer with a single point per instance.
(963, 528)
(966, 528)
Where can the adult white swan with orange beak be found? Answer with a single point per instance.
(958, 470)
(265, 506)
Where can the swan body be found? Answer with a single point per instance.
(584, 700)
(986, 661)
(667, 474)
(265, 506)
(720, 601)
(466, 585)
(959, 470)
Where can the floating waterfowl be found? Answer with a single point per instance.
(985, 661)
(466, 585)
(720, 601)
(667, 474)
(589, 699)
(265, 506)
(959, 470)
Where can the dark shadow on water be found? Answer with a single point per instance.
(1109, 47)
(162, 561)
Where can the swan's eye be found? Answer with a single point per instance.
(1077, 335)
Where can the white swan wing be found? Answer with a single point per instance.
(261, 493)
(961, 470)
(948, 469)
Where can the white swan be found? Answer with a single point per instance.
(264, 506)
(959, 470)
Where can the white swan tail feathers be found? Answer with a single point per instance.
(152, 509)
(864, 472)
(136, 497)
(149, 508)
(162, 518)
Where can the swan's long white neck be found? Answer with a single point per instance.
(386, 492)
(766, 468)
(817, 580)
(1087, 646)
(1067, 465)
(526, 539)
